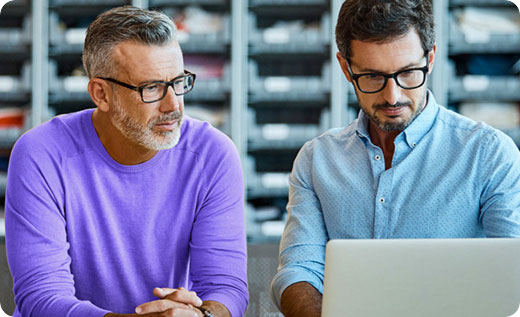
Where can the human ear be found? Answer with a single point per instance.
(100, 93)
(344, 66)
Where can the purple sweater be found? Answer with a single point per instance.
(86, 235)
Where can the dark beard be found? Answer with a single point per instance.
(396, 126)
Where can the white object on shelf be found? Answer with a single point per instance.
(75, 83)
(275, 180)
(75, 36)
(276, 36)
(475, 82)
(273, 228)
(277, 84)
(275, 131)
(7, 83)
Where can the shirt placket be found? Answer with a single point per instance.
(382, 194)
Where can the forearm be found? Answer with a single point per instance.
(216, 308)
(301, 299)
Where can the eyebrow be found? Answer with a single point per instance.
(370, 70)
(144, 82)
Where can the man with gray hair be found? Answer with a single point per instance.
(130, 208)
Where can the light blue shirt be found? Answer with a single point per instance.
(451, 177)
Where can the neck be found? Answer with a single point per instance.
(384, 140)
(120, 148)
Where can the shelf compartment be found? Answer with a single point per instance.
(14, 36)
(258, 3)
(490, 88)
(161, 3)
(88, 3)
(282, 40)
(288, 88)
(281, 136)
(469, 34)
(480, 3)
(16, 88)
(8, 137)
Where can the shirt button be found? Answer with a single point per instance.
(414, 144)
(377, 157)
(382, 200)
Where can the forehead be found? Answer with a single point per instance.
(389, 55)
(141, 62)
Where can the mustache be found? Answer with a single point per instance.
(386, 105)
(174, 116)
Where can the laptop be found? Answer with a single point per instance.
(422, 278)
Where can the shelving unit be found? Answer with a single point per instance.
(267, 75)
(483, 44)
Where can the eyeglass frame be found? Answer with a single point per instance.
(165, 92)
(424, 69)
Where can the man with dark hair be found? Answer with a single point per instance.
(131, 208)
(405, 168)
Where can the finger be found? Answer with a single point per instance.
(159, 306)
(186, 297)
(180, 312)
(163, 292)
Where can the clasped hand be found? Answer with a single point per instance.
(173, 302)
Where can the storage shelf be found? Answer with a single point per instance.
(204, 47)
(159, 3)
(484, 88)
(88, 3)
(8, 137)
(258, 3)
(254, 192)
(288, 48)
(480, 3)
(495, 43)
(17, 97)
(258, 145)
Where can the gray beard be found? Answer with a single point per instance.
(143, 134)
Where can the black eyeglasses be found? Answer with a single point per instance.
(157, 90)
(370, 83)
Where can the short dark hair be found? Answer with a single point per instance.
(118, 25)
(382, 21)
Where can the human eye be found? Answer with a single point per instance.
(373, 77)
(151, 87)
(408, 73)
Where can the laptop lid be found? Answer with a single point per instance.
(422, 277)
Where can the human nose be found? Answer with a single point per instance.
(171, 102)
(392, 91)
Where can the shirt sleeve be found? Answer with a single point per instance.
(500, 197)
(36, 239)
(302, 247)
(218, 261)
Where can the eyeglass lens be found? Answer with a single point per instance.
(406, 79)
(156, 91)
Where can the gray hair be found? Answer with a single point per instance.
(118, 25)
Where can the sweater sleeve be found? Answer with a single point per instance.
(36, 237)
(218, 246)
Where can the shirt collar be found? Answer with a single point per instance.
(416, 130)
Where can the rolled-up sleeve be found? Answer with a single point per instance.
(500, 181)
(302, 248)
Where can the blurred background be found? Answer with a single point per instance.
(267, 76)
